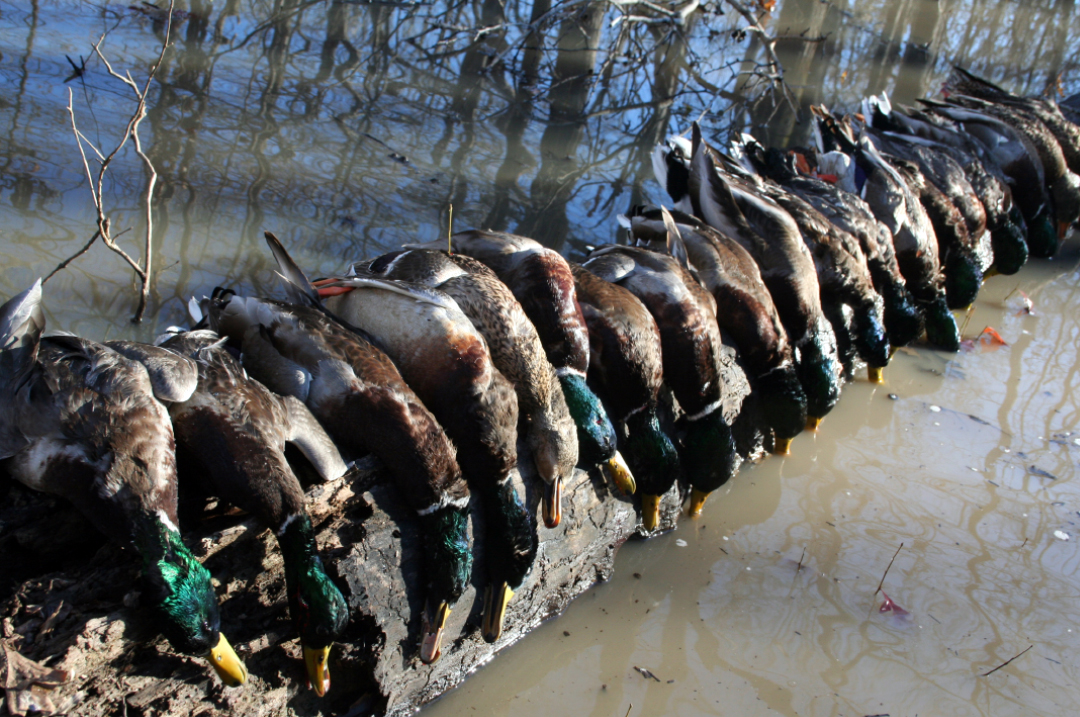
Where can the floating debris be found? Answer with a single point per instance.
(890, 606)
(1036, 471)
(1061, 535)
(647, 673)
(681, 543)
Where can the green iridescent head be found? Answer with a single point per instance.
(708, 452)
(962, 279)
(871, 339)
(819, 371)
(447, 558)
(596, 435)
(783, 401)
(317, 607)
(902, 320)
(650, 454)
(941, 329)
(178, 589)
(1007, 241)
(1042, 239)
(510, 548)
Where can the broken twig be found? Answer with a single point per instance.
(882, 581)
(985, 674)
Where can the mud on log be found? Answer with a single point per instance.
(84, 616)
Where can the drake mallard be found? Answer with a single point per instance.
(357, 392)
(1003, 219)
(518, 354)
(1019, 160)
(843, 276)
(1062, 184)
(889, 195)
(955, 211)
(690, 343)
(626, 369)
(1046, 110)
(234, 430)
(734, 207)
(745, 310)
(851, 214)
(515, 349)
(81, 421)
(541, 280)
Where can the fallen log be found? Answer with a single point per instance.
(84, 618)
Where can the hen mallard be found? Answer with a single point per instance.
(81, 421)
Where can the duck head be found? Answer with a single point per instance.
(872, 342)
(448, 565)
(941, 329)
(653, 458)
(509, 559)
(596, 434)
(1008, 242)
(902, 321)
(1042, 238)
(1066, 194)
(708, 456)
(963, 278)
(179, 590)
(818, 368)
(783, 403)
(317, 607)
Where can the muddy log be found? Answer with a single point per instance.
(83, 616)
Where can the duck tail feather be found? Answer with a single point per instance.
(22, 322)
(675, 246)
(297, 285)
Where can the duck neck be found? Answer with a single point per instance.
(448, 560)
(510, 556)
(317, 606)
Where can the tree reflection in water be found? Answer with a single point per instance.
(349, 127)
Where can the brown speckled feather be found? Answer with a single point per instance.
(94, 434)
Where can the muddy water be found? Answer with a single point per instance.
(766, 604)
(348, 128)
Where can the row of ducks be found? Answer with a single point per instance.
(433, 360)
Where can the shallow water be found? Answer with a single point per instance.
(349, 128)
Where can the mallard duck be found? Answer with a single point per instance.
(851, 214)
(843, 276)
(518, 354)
(626, 368)
(888, 194)
(690, 343)
(955, 211)
(744, 309)
(1046, 110)
(1003, 220)
(515, 349)
(79, 420)
(1061, 182)
(1020, 160)
(356, 391)
(772, 237)
(541, 280)
(234, 430)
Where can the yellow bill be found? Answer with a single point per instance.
(616, 471)
(496, 598)
(228, 666)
